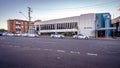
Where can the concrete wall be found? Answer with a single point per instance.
(86, 24)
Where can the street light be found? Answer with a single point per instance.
(23, 15)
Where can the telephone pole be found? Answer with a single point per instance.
(29, 17)
(31, 30)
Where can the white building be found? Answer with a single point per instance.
(84, 24)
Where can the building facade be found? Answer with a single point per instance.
(116, 24)
(17, 26)
(92, 25)
(103, 21)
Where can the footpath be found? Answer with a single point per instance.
(100, 38)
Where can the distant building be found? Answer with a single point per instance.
(17, 26)
(37, 21)
(116, 24)
(92, 25)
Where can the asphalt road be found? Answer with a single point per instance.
(25, 52)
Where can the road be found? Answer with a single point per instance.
(25, 52)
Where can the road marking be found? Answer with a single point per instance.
(92, 54)
(61, 51)
(47, 49)
(58, 58)
(74, 52)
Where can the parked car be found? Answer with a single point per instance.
(80, 36)
(10, 34)
(1, 33)
(24, 34)
(5, 33)
(32, 35)
(57, 36)
(18, 34)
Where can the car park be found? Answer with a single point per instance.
(80, 36)
(57, 36)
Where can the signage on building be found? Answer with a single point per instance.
(87, 27)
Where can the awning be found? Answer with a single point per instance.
(110, 28)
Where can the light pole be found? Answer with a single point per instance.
(23, 15)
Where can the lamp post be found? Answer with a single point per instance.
(23, 15)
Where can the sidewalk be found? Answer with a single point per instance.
(100, 38)
(110, 38)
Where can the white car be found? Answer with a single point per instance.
(57, 36)
(10, 34)
(80, 36)
(5, 33)
(32, 35)
(24, 34)
(18, 34)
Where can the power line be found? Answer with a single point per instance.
(23, 15)
(105, 3)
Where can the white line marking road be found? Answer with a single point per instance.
(92, 54)
(61, 51)
(74, 52)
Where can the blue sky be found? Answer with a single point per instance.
(52, 9)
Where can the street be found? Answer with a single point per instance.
(27, 52)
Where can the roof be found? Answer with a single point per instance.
(115, 20)
(17, 20)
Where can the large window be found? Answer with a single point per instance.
(47, 27)
(71, 25)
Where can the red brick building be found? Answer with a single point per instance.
(17, 26)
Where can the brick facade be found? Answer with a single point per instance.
(17, 26)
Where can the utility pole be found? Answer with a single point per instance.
(29, 17)
(31, 30)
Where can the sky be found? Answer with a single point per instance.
(54, 9)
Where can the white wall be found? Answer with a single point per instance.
(86, 25)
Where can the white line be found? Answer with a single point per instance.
(78, 52)
(71, 51)
(58, 57)
(61, 51)
(92, 54)
(47, 49)
(74, 52)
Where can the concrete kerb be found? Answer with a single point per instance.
(103, 38)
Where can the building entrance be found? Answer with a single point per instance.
(101, 33)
